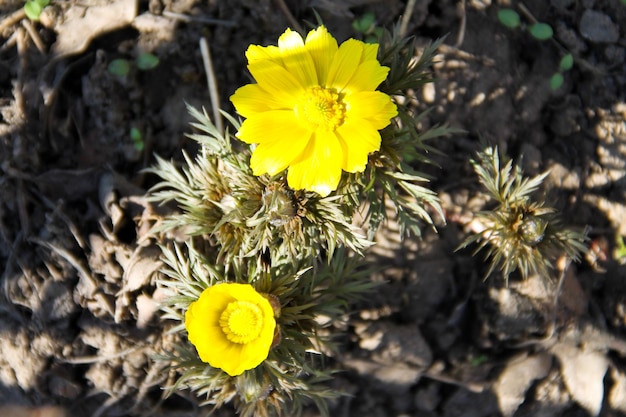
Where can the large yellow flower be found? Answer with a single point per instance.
(232, 327)
(314, 109)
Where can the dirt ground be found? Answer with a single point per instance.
(78, 311)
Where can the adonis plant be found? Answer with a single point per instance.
(520, 233)
(264, 255)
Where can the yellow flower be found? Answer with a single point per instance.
(314, 109)
(232, 327)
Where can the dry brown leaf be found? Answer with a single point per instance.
(146, 308)
(583, 373)
(19, 411)
(144, 262)
(617, 394)
(517, 377)
(81, 25)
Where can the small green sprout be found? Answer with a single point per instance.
(566, 64)
(137, 138)
(366, 26)
(509, 18)
(119, 67)
(144, 62)
(478, 360)
(33, 8)
(543, 32)
(556, 81)
(147, 61)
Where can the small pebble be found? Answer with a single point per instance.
(598, 27)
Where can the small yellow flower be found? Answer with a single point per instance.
(314, 109)
(232, 327)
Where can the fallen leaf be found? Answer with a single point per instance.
(518, 375)
(144, 262)
(617, 394)
(146, 308)
(20, 411)
(583, 374)
(81, 25)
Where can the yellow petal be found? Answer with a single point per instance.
(319, 168)
(280, 137)
(370, 52)
(232, 360)
(244, 292)
(322, 47)
(251, 99)
(256, 53)
(209, 342)
(344, 64)
(277, 81)
(270, 126)
(296, 58)
(367, 77)
(358, 139)
(373, 106)
(289, 40)
(274, 157)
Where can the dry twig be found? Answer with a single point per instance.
(406, 17)
(212, 84)
(292, 20)
(12, 19)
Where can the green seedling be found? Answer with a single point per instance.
(144, 62)
(147, 61)
(137, 138)
(366, 26)
(119, 67)
(33, 8)
(509, 18)
(566, 63)
(543, 32)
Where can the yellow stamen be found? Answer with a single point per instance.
(321, 108)
(241, 321)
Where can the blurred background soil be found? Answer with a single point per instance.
(79, 319)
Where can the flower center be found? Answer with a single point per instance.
(241, 321)
(321, 108)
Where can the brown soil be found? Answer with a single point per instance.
(78, 316)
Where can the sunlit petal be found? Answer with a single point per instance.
(344, 64)
(358, 139)
(373, 106)
(256, 53)
(231, 344)
(296, 58)
(274, 157)
(270, 126)
(251, 99)
(322, 47)
(277, 81)
(315, 111)
(370, 50)
(270, 130)
(367, 77)
(319, 168)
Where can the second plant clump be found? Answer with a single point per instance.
(271, 258)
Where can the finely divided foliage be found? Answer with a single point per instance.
(519, 233)
(270, 220)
